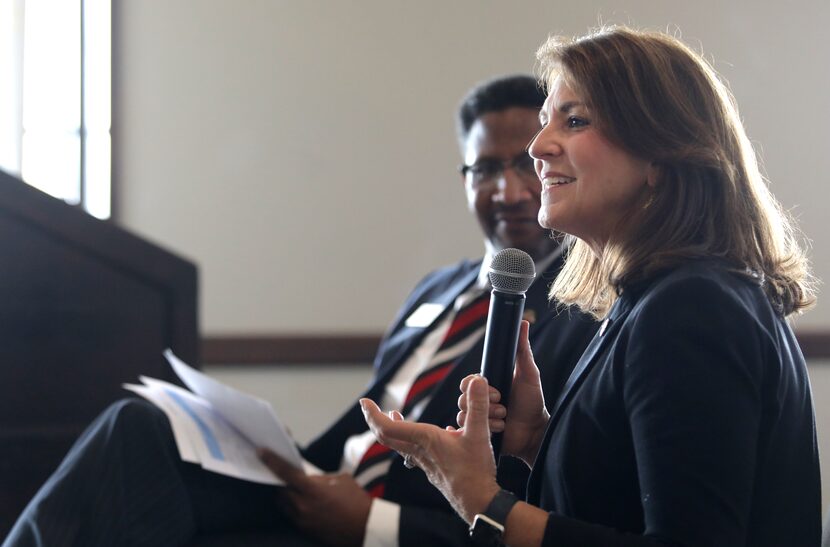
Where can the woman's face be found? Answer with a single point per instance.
(589, 185)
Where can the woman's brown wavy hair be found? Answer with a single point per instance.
(657, 99)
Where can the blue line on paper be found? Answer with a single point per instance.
(207, 433)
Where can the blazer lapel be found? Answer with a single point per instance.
(593, 352)
(586, 362)
(401, 344)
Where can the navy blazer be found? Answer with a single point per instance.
(688, 422)
(426, 517)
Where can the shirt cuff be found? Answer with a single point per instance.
(383, 524)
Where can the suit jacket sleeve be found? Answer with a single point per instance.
(421, 526)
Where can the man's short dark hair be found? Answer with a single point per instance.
(495, 95)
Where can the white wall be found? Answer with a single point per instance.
(302, 152)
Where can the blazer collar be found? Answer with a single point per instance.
(606, 333)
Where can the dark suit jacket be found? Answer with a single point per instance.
(426, 517)
(688, 421)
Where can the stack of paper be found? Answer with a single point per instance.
(220, 427)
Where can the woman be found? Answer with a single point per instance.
(689, 420)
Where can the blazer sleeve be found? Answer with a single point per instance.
(421, 526)
(688, 365)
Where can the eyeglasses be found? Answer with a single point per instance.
(488, 171)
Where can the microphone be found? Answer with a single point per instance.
(511, 274)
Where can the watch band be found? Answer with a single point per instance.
(488, 527)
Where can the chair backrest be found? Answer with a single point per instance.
(84, 307)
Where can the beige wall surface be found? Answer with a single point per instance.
(303, 152)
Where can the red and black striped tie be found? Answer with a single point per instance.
(465, 330)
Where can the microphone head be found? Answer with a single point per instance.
(511, 271)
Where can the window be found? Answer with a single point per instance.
(56, 108)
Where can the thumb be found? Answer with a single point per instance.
(478, 407)
(525, 364)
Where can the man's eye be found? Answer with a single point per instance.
(485, 169)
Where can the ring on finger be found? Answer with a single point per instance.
(407, 461)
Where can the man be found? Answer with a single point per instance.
(123, 482)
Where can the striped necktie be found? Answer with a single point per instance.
(466, 329)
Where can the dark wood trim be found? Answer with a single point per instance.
(814, 344)
(360, 349)
(356, 349)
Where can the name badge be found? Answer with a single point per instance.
(424, 315)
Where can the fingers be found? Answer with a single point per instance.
(465, 382)
(478, 408)
(523, 348)
(497, 412)
(397, 434)
(525, 364)
(497, 415)
(495, 396)
(294, 477)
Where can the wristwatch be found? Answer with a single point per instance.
(487, 529)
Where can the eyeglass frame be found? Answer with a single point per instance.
(522, 164)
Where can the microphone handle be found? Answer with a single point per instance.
(500, 340)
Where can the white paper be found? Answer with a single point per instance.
(253, 417)
(185, 440)
(219, 427)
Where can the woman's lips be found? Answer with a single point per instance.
(550, 181)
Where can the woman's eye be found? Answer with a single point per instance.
(575, 122)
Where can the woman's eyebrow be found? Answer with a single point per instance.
(568, 106)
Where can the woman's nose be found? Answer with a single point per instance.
(545, 143)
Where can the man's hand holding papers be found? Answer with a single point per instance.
(220, 427)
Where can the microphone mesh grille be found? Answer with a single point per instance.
(512, 271)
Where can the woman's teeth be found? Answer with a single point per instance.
(556, 181)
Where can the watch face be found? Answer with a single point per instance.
(486, 531)
(488, 527)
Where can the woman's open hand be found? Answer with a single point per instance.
(459, 462)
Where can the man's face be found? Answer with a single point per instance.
(505, 200)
